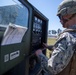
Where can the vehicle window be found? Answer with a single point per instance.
(13, 12)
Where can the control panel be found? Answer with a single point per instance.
(36, 33)
(38, 37)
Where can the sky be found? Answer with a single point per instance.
(49, 9)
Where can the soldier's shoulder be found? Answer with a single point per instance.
(63, 35)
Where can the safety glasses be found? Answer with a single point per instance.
(64, 19)
(61, 17)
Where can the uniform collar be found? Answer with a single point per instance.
(72, 27)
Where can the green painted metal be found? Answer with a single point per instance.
(15, 54)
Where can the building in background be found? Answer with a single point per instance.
(54, 33)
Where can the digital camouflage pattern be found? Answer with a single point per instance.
(62, 53)
(67, 7)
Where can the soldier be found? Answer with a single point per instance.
(63, 58)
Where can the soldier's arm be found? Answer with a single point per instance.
(60, 57)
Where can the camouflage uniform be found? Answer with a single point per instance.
(62, 53)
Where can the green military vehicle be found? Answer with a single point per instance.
(23, 29)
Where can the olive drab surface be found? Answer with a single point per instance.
(70, 68)
(23, 29)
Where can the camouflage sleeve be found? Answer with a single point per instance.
(44, 64)
(60, 57)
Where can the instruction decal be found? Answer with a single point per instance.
(14, 55)
(11, 56)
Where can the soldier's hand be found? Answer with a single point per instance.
(39, 51)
